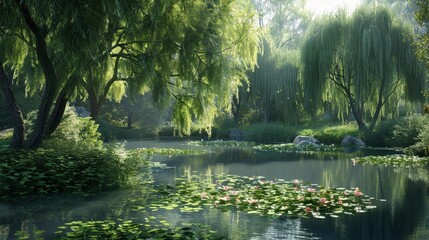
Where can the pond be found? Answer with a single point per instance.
(401, 197)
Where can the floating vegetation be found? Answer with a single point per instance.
(149, 152)
(222, 143)
(127, 229)
(279, 199)
(290, 147)
(396, 160)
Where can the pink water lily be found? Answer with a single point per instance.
(357, 192)
(296, 181)
(204, 195)
(234, 192)
(252, 201)
(308, 210)
(225, 198)
(323, 200)
(226, 188)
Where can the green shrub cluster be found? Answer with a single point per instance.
(270, 133)
(75, 132)
(401, 132)
(331, 134)
(72, 159)
(43, 171)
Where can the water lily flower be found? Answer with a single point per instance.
(225, 198)
(311, 190)
(252, 201)
(300, 198)
(204, 195)
(226, 188)
(323, 200)
(340, 201)
(296, 181)
(308, 210)
(234, 192)
(357, 192)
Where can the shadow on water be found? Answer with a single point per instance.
(404, 214)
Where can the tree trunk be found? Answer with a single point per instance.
(18, 120)
(235, 109)
(130, 119)
(51, 82)
(60, 106)
(94, 104)
(356, 113)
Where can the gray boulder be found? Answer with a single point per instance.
(299, 139)
(307, 143)
(82, 112)
(352, 141)
(236, 134)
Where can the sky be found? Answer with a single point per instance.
(326, 6)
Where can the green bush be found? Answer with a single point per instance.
(383, 131)
(422, 146)
(111, 132)
(72, 159)
(335, 134)
(401, 132)
(406, 131)
(331, 134)
(44, 171)
(75, 132)
(222, 127)
(269, 133)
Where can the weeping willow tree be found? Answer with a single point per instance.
(195, 52)
(364, 64)
(274, 84)
(192, 53)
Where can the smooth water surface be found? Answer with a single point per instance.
(401, 197)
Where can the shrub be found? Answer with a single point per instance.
(72, 159)
(43, 171)
(422, 146)
(111, 132)
(75, 132)
(401, 132)
(270, 133)
(331, 134)
(383, 131)
(222, 127)
(406, 131)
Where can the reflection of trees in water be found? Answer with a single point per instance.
(397, 218)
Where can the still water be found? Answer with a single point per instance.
(401, 197)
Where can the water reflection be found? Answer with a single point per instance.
(404, 214)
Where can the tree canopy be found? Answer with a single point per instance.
(364, 63)
(194, 51)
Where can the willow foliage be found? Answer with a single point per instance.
(275, 83)
(192, 53)
(364, 63)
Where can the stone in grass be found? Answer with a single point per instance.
(306, 143)
(300, 138)
(352, 141)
